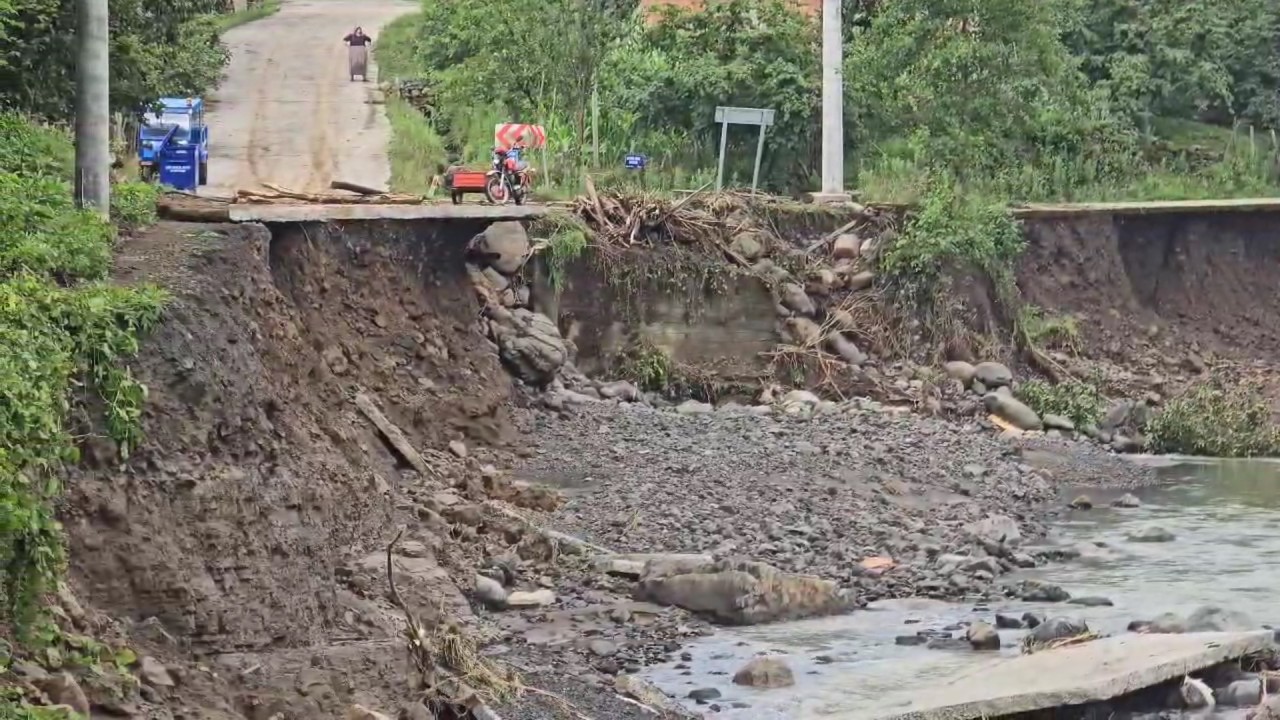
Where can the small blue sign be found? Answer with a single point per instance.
(635, 162)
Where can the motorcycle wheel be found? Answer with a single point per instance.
(496, 190)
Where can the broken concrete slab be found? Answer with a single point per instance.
(737, 592)
(1075, 675)
(634, 564)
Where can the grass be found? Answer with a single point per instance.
(417, 153)
(266, 9)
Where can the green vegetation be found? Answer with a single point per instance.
(566, 237)
(267, 8)
(1053, 332)
(158, 48)
(1215, 420)
(1056, 100)
(1080, 402)
(64, 336)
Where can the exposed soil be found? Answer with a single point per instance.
(1163, 294)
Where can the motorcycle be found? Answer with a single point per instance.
(504, 181)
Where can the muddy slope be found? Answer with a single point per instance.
(235, 523)
(1207, 282)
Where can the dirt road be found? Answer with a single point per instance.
(287, 113)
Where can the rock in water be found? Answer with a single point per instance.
(504, 246)
(529, 344)
(743, 593)
(992, 375)
(982, 636)
(1151, 534)
(1128, 500)
(1013, 410)
(1059, 628)
(1209, 618)
(1082, 503)
(704, 695)
(1036, 591)
(1092, 601)
(1008, 622)
(765, 672)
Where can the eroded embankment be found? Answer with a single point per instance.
(249, 530)
(1173, 284)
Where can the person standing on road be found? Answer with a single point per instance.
(358, 54)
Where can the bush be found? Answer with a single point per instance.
(1079, 402)
(61, 329)
(1217, 421)
(133, 204)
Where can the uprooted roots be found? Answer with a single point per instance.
(458, 683)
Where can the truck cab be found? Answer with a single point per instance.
(174, 122)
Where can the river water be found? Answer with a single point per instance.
(1226, 519)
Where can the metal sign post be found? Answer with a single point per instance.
(741, 116)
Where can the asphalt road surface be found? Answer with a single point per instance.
(287, 113)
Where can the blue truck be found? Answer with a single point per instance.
(173, 143)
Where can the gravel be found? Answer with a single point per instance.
(815, 495)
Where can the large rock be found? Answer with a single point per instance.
(737, 592)
(1241, 693)
(503, 246)
(844, 347)
(1058, 628)
(998, 530)
(1151, 534)
(1210, 618)
(1010, 409)
(960, 370)
(749, 244)
(63, 689)
(993, 375)
(982, 636)
(765, 672)
(846, 246)
(794, 298)
(1268, 711)
(529, 344)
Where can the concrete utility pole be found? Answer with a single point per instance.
(93, 111)
(832, 106)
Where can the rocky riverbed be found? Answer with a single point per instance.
(883, 502)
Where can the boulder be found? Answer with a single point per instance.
(997, 529)
(861, 281)
(1012, 410)
(1128, 500)
(154, 673)
(1241, 693)
(1117, 415)
(1008, 622)
(619, 390)
(820, 282)
(844, 347)
(1036, 591)
(960, 370)
(703, 695)
(1058, 422)
(765, 672)
(1058, 628)
(1082, 502)
(1151, 534)
(529, 344)
(993, 374)
(803, 331)
(842, 320)
(503, 246)
(1092, 601)
(794, 298)
(490, 592)
(749, 244)
(737, 592)
(1210, 618)
(982, 636)
(846, 246)
(534, 598)
(63, 689)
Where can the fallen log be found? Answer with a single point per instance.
(394, 436)
(355, 188)
(193, 213)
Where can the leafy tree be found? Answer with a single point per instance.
(1182, 58)
(158, 47)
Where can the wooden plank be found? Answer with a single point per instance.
(394, 436)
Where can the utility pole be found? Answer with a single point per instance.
(832, 106)
(93, 111)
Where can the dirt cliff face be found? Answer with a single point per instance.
(258, 478)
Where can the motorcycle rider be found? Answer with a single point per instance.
(516, 152)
